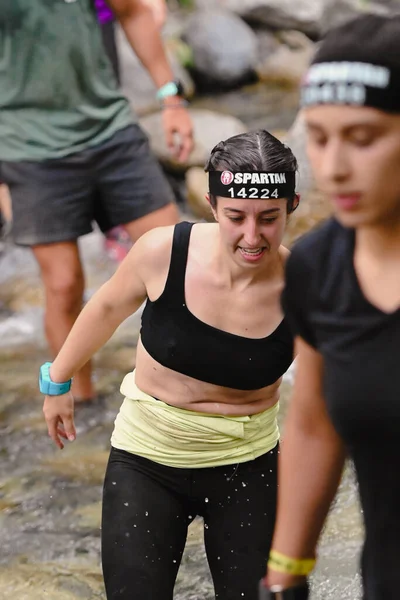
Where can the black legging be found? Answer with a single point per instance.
(147, 508)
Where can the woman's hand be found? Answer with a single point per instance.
(296, 587)
(283, 579)
(59, 414)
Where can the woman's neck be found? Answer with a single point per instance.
(382, 242)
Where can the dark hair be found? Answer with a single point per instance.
(253, 151)
(368, 38)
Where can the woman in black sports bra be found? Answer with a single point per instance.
(342, 298)
(197, 432)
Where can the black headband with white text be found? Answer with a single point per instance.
(352, 83)
(254, 185)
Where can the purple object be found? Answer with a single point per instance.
(104, 13)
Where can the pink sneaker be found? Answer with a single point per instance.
(117, 243)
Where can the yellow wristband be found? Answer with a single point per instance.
(291, 566)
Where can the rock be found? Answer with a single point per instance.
(289, 62)
(258, 106)
(209, 129)
(296, 140)
(197, 188)
(137, 84)
(337, 12)
(312, 17)
(313, 207)
(303, 15)
(268, 43)
(224, 48)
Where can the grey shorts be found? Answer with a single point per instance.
(113, 183)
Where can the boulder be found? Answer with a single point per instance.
(196, 190)
(312, 17)
(224, 48)
(303, 15)
(337, 12)
(296, 140)
(313, 208)
(209, 129)
(289, 62)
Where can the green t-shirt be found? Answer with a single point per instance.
(58, 93)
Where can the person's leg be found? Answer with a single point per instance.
(239, 518)
(168, 215)
(52, 206)
(144, 527)
(5, 203)
(5, 211)
(132, 190)
(63, 279)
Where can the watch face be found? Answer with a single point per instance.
(179, 87)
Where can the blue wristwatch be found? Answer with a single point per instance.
(172, 88)
(49, 387)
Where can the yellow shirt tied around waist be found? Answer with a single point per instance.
(183, 438)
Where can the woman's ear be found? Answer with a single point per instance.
(214, 212)
(296, 202)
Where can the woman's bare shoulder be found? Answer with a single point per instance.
(152, 251)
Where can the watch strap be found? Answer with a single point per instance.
(172, 88)
(298, 592)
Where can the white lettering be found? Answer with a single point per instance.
(336, 93)
(257, 178)
(349, 72)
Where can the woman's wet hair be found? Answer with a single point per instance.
(254, 151)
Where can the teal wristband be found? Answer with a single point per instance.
(172, 88)
(49, 387)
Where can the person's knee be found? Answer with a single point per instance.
(64, 290)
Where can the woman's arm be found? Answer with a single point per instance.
(116, 300)
(311, 464)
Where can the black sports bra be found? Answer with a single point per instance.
(178, 340)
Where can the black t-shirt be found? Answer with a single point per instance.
(360, 346)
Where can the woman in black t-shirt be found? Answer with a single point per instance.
(342, 299)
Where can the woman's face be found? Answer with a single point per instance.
(252, 230)
(355, 157)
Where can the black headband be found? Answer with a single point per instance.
(352, 83)
(253, 185)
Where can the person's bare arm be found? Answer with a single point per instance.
(116, 300)
(311, 463)
(138, 22)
